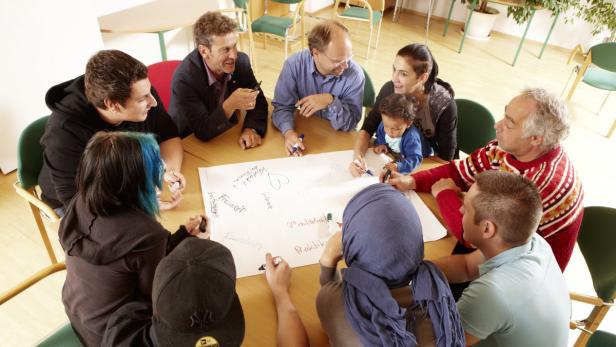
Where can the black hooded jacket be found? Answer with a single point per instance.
(73, 121)
(110, 261)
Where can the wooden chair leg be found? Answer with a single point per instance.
(604, 101)
(378, 34)
(369, 42)
(611, 131)
(593, 321)
(577, 80)
(43, 231)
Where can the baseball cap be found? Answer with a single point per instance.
(194, 298)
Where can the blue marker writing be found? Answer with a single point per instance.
(295, 147)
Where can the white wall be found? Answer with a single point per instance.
(104, 7)
(44, 43)
(566, 35)
(315, 5)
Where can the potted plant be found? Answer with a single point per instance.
(482, 21)
(521, 10)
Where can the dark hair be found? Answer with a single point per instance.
(110, 74)
(212, 24)
(120, 170)
(422, 61)
(510, 201)
(397, 106)
(321, 34)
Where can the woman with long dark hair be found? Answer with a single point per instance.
(415, 75)
(110, 235)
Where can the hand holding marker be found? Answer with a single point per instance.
(257, 87)
(175, 186)
(387, 174)
(295, 147)
(276, 260)
(366, 170)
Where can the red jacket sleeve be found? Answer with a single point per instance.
(449, 204)
(425, 179)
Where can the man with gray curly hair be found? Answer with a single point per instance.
(528, 144)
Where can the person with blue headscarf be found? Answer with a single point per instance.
(388, 295)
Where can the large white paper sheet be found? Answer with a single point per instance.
(281, 206)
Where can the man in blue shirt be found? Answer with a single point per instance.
(321, 80)
(518, 295)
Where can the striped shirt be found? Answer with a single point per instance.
(553, 174)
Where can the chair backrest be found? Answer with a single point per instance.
(596, 240)
(475, 125)
(368, 90)
(603, 55)
(65, 337)
(243, 4)
(160, 75)
(601, 339)
(290, 2)
(30, 153)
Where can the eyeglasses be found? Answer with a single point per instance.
(338, 63)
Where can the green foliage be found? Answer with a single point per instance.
(522, 13)
(601, 14)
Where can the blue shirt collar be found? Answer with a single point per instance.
(505, 257)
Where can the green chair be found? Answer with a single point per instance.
(241, 13)
(366, 13)
(63, 337)
(601, 339)
(278, 27)
(29, 164)
(369, 96)
(475, 125)
(598, 70)
(596, 240)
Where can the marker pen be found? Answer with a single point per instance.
(387, 175)
(295, 147)
(202, 224)
(331, 226)
(257, 87)
(358, 164)
(276, 260)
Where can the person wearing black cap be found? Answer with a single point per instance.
(194, 302)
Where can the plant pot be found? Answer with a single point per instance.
(481, 24)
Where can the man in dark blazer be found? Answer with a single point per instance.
(213, 82)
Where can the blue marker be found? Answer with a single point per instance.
(358, 164)
(296, 146)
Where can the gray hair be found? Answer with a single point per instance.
(549, 120)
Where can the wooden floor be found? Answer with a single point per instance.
(482, 73)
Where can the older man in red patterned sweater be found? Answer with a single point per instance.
(527, 143)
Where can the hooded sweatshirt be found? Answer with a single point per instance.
(73, 121)
(109, 261)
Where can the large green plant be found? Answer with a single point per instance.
(601, 14)
(522, 12)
